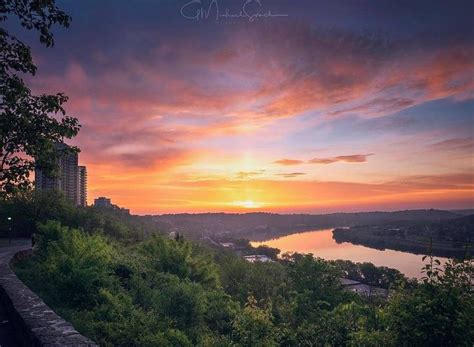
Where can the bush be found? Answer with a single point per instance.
(160, 292)
(77, 265)
(179, 258)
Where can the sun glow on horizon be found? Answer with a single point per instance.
(250, 204)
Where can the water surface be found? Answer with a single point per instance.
(321, 244)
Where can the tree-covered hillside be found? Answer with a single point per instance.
(159, 291)
(263, 226)
(449, 238)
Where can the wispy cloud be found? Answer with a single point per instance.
(289, 162)
(354, 158)
(277, 72)
(455, 144)
(249, 174)
(290, 174)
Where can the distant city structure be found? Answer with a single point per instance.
(363, 289)
(71, 179)
(82, 185)
(258, 258)
(102, 201)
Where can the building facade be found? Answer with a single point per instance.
(82, 186)
(102, 201)
(71, 178)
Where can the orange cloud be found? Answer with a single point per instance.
(249, 174)
(289, 162)
(290, 174)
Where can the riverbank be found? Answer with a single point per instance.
(414, 245)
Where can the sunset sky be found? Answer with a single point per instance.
(329, 106)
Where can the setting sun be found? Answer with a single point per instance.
(247, 204)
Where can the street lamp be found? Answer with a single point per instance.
(9, 230)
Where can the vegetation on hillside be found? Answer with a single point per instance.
(160, 291)
(264, 226)
(447, 238)
(30, 208)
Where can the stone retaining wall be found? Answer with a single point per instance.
(35, 323)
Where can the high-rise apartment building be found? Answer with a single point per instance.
(82, 186)
(71, 179)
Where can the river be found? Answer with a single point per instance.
(321, 244)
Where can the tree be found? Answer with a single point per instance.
(180, 259)
(30, 124)
(438, 312)
(77, 264)
(254, 327)
(316, 282)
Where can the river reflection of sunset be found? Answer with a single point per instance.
(321, 244)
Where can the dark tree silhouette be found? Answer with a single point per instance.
(29, 124)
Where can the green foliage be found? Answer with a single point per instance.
(171, 292)
(115, 320)
(316, 281)
(263, 281)
(160, 292)
(76, 265)
(28, 128)
(377, 276)
(253, 326)
(178, 257)
(438, 312)
(376, 338)
(31, 208)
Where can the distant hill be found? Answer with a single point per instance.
(448, 238)
(261, 226)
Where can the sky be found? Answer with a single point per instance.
(283, 106)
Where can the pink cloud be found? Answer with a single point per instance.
(455, 144)
(354, 158)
